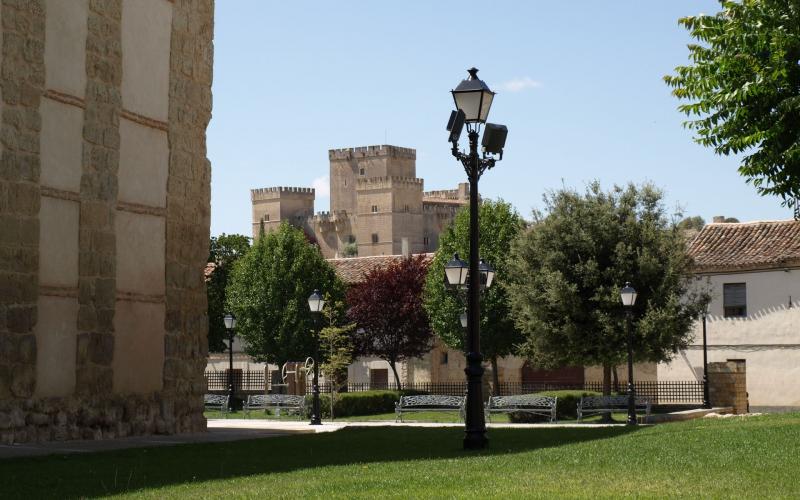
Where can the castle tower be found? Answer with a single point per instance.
(389, 209)
(349, 164)
(273, 205)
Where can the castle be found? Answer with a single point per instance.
(378, 205)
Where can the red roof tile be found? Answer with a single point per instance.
(352, 271)
(746, 246)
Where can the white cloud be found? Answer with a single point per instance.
(322, 186)
(519, 84)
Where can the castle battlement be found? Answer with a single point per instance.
(271, 193)
(366, 183)
(444, 194)
(372, 152)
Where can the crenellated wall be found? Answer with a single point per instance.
(105, 216)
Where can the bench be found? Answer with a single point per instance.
(216, 402)
(429, 402)
(591, 405)
(275, 402)
(523, 403)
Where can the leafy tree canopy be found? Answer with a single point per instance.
(224, 250)
(567, 270)
(387, 309)
(692, 223)
(743, 88)
(269, 292)
(499, 225)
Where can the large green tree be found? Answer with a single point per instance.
(499, 225)
(743, 88)
(567, 269)
(224, 251)
(269, 292)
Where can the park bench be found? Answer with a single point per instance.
(216, 402)
(429, 402)
(592, 405)
(276, 402)
(523, 403)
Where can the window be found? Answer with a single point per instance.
(351, 239)
(443, 359)
(374, 208)
(405, 209)
(734, 300)
(426, 241)
(379, 378)
(374, 237)
(361, 171)
(266, 218)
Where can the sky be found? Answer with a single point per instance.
(579, 85)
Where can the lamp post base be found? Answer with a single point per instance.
(475, 441)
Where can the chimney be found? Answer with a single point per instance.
(719, 219)
(405, 248)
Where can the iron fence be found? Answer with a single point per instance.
(658, 392)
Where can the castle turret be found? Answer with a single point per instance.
(275, 204)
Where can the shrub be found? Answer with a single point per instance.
(355, 403)
(566, 406)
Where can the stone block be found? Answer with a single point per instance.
(65, 45)
(58, 239)
(56, 338)
(146, 36)
(61, 145)
(140, 253)
(138, 348)
(143, 164)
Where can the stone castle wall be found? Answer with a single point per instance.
(104, 192)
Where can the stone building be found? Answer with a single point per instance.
(104, 216)
(752, 272)
(378, 205)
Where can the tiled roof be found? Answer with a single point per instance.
(744, 246)
(352, 270)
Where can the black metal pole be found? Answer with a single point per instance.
(475, 425)
(706, 398)
(315, 416)
(631, 390)
(231, 387)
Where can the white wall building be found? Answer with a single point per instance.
(752, 271)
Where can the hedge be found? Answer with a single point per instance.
(349, 404)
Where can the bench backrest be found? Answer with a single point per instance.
(522, 400)
(432, 400)
(275, 400)
(215, 400)
(610, 401)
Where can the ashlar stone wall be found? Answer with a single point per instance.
(104, 216)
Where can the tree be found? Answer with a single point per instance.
(224, 251)
(336, 345)
(269, 292)
(387, 309)
(695, 223)
(499, 225)
(567, 270)
(743, 89)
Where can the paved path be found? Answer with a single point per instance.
(221, 430)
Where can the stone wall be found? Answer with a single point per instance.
(104, 191)
(727, 385)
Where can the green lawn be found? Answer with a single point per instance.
(723, 458)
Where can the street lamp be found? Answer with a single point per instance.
(315, 304)
(230, 326)
(455, 272)
(473, 99)
(628, 295)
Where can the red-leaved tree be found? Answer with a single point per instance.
(387, 309)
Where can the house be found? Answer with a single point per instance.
(752, 272)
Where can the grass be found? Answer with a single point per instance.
(737, 457)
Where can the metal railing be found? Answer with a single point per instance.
(658, 392)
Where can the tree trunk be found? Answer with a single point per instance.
(616, 379)
(392, 364)
(606, 390)
(495, 377)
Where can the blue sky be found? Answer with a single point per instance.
(579, 86)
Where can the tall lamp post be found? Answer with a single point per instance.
(628, 295)
(230, 326)
(706, 399)
(473, 99)
(315, 303)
